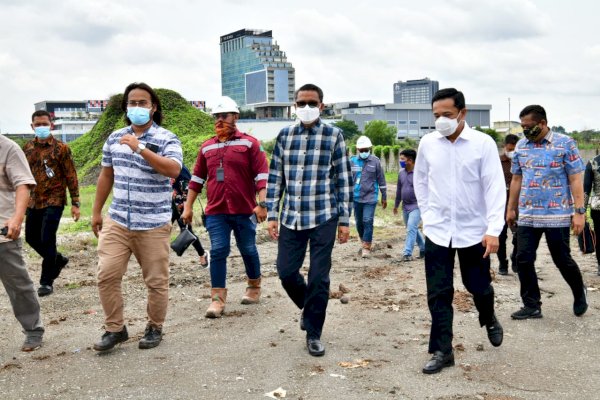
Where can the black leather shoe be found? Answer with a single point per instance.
(527, 312)
(152, 338)
(315, 347)
(580, 305)
(45, 290)
(302, 327)
(110, 339)
(438, 362)
(495, 332)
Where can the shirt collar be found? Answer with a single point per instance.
(467, 133)
(148, 132)
(314, 128)
(549, 137)
(48, 142)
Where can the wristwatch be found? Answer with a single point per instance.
(140, 147)
(76, 204)
(580, 210)
(263, 204)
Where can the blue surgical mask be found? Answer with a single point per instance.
(403, 164)
(138, 115)
(42, 132)
(364, 154)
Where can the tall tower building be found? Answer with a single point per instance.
(418, 91)
(256, 74)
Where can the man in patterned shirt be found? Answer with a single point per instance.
(547, 182)
(137, 162)
(310, 165)
(53, 168)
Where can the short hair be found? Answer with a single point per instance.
(410, 154)
(450, 93)
(511, 139)
(537, 112)
(41, 113)
(157, 116)
(310, 87)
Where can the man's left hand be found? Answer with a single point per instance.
(131, 141)
(75, 213)
(343, 234)
(384, 204)
(491, 244)
(261, 213)
(577, 223)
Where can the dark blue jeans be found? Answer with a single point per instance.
(311, 296)
(41, 225)
(219, 229)
(364, 214)
(528, 240)
(439, 274)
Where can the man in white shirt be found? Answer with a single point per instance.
(460, 190)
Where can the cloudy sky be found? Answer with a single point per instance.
(545, 52)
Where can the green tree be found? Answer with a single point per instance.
(349, 128)
(380, 133)
(492, 132)
(559, 129)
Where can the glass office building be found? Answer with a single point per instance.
(256, 74)
(418, 91)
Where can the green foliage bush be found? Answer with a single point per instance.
(191, 125)
(377, 151)
(385, 151)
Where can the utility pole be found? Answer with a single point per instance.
(509, 115)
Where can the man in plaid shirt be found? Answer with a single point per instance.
(310, 165)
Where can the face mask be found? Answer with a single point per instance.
(446, 126)
(42, 132)
(138, 115)
(403, 164)
(224, 130)
(308, 114)
(364, 154)
(532, 133)
(510, 154)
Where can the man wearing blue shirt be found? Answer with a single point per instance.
(546, 187)
(369, 179)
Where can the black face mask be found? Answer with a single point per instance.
(532, 133)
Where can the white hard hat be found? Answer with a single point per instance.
(363, 142)
(225, 105)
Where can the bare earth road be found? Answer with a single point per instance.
(376, 344)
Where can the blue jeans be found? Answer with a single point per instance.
(219, 229)
(411, 220)
(364, 213)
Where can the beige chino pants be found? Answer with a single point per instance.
(151, 250)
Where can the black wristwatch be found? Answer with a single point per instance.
(580, 210)
(76, 204)
(263, 204)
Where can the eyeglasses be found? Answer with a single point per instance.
(311, 104)
(221, 116)
(140, 103)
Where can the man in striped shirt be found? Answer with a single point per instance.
(310, 165)
(137, 162)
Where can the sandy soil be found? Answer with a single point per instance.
(376, 344)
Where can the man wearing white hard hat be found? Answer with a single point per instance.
(369, 180)
(233, 167)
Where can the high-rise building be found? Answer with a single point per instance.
(418, 91)
(256, 74)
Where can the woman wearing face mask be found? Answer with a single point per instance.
(591, 181)
(369, 179)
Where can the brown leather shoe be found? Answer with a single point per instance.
(216, 308)
(252, 295)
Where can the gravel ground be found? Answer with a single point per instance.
(376, 344)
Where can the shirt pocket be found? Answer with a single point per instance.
(469, 169)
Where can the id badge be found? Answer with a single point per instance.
(357, 182)
(220, 174)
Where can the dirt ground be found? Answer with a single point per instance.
(376, 344)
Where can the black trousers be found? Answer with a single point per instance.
(41, 226)
(311, 296)
(528, 240)
(175, 216)
(502, 248)
(475, 272)
(595, 214)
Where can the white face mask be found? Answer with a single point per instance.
(510, 154)
(308, 114)
(446, 126)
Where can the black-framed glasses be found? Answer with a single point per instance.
(311, 104)
(139, 103)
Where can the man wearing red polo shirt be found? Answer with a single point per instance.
(234, 168)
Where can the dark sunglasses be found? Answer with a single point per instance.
(221, 116)
(311, 104)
